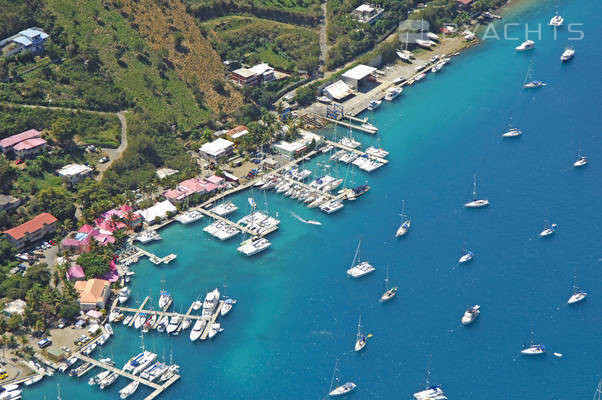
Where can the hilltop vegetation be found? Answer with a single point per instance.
(299, 12)
(253, 40)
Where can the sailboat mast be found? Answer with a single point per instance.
(474, 188)
(387, 280)
(336, 364)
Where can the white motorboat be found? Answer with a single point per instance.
(186, 324)
(360, 268)
(389, 292)
(526, 45)
(339, 390)
(326, 148)
(577, 296)
(556, 20)
(512, 132)
(466, 257)
(10, 387)
(197, 304)
(405, 222)
(197, 329)
(89, 349)
(470, 315)
(174, 322)
(98, 378)
(171, 371)
(214, 330)
(476, 203)
(373, 105)
(437, 67)
(128, 390)
(581, 161)
(253, 246)
(392, 93)
(534, 84)
(324, 99)
(550, 230)
(368, 126)
(211, 302)
(140, 320)
(113, 315)
(148, 236)
(227, 307)
(127, 320)
(11, 395)
(124, 294)
(360, 338)
(109, 380)
(534, 349)
(567, 54)
(34, 379)
(377, 152)
(164, 299)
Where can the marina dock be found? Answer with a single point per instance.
(158, 388)
(343, 147)
(162, 313)
(235, 225)
(306, 186)
(187, 315)
(348, 124)
(212, 320)
(138, 310)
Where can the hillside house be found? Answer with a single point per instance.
(32, 231)
(31, 39)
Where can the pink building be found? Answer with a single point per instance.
(10, 142)
(30, 148)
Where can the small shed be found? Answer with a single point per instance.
(54, 354)
(357, 75)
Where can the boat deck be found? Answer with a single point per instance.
(137, 310)
(360, 152)
(212, 320)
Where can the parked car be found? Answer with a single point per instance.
(104, 160)
(44, 343)
(19, 161)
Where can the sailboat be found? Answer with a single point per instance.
(389, 293)
(548, 230)
(405, 222)
(339, 390)
(533, 349)
(598, 394)
(431, 392)
(466, 256)
(529, 83)
(360, 338)
(581, 161)
(361, 268)
(512, 132)
(578, 294)
(476, 203)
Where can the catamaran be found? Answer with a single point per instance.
(360, 338)
(405, 222)
(476, 203)
(470, 315)
(339, 390)
(361, 268)
(254, 245)
(389, 293)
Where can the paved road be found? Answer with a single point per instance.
(115, 154)
(323, 35)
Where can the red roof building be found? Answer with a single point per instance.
(8, 143)
(32, 231)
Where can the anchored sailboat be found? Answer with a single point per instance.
(361, 268)
(405, 222)
(389, 293)
(476, 203)
(360, 338)
(339, 390)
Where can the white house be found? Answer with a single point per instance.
(218, 148)
(74, 173)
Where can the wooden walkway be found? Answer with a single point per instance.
(187, 315)
(162, 313)
(158, 388)
(349, 125)
(212, 320)
(137, 311)
(343, 147)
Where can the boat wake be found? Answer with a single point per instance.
(306, 221)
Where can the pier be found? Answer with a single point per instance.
(306, 186)
(349, 125)
(187, 315)
(212, 320)
(158, 388)
(138, 310)
(343, 147)
(235, 225)
(162, 313)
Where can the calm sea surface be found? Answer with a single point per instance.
(297, 311)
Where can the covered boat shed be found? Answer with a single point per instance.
(358, 74)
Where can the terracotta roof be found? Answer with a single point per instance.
(29, 144)
(237, 132)
(31, 226)
(90, 291)
(19, 137)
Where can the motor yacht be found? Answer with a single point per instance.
(470, 315)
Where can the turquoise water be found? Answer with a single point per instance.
(297, 311)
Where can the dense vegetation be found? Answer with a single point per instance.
(252, 40)
(298, 12)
